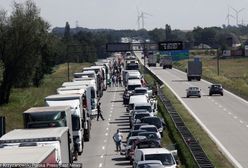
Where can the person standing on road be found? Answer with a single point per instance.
(99, 111)
(118, 138)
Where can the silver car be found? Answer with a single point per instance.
(193, 91)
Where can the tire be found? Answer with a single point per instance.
(164, 67)
(189, 78)
(221, 94)
(187, 96)
(199, 96)
(210, 94)
(170, 66)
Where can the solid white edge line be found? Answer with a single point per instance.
(225, 151)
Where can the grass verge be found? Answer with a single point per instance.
(22, 99)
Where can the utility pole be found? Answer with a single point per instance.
(68, 63)
(218, 63)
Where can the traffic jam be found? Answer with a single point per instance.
(54, 135)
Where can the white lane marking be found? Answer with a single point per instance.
(108, 124)
(110, 115)
(212, 100)
(247, 126)
(216, 103)
(105, 141)
(224, 109)
(229, 113)
(235, 117)
(101, 156)
(107, 128)
(109, 119)
(106, 134)
(103, 147)
(241, 121)
(100, 165)
(220, 106)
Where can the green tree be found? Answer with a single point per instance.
(22, 35)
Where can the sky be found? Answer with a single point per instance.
(123, 14)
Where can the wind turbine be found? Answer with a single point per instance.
(229, 16)
(237, 14)
(142, 16)
(138, 17)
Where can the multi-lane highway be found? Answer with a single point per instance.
(224, 118)
(100, 152)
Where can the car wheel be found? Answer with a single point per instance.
(187, 96)
(222, 94)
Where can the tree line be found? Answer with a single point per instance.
(29, 50)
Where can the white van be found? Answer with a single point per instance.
(136, 99)
(162, 154)
(132, 84)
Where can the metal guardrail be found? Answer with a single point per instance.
(194, 147)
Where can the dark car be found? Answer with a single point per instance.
(137, 126)
(150, 135)
(154, 121)
(215, 89)
(134, 133)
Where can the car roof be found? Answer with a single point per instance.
(136, 137)
(147, 151)
(148, 126)
(47, 109)
(134, 82)
(142, 104)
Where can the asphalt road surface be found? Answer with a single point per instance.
(225, 118)
(100, 152)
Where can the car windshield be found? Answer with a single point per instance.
(152, 121)
(149, 135)
(148, 144)
(216, 86)
(193, 88)
(148, 108)
(139, 116)
(166, 159)
(149, 129)
(139, 91)
(149, 165)
(132, 87)
(135, 133)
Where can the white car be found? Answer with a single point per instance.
(162, 154)
(150, 128)
(150, 163)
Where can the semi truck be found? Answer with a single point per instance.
(194, 69)
(99, 78)
(58, 138)
(152, 59)
(80, 103)
(35, 155)
(78, 116)
(166, 62)
(89, 83)
(47, 117)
